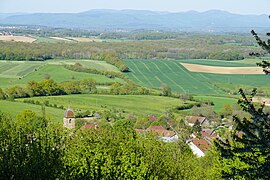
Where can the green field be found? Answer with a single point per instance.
(93, 64)
(218, 101)
(239, 63)
(17, 69)
(138, 104)
(154, 73)
(14, 108)
(19, 73)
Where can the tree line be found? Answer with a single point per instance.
(18, 51)
(49, 87)
(187, 47)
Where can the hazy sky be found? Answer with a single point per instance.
(235, 6)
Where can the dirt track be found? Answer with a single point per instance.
(222, 70)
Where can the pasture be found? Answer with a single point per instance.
(14, 108)
(218, 101)
(137, 104)
(154, 73)
(93, 64)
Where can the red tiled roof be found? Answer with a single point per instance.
(193, 119)
(202, 144)
(168, 133)
(161, 131)
(156, 128)
(208, 131)
(152, 117)
(140, 130)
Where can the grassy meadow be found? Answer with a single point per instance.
(14, 108)
(137, 104)
(218, 101)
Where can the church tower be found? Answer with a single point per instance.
(69, 119)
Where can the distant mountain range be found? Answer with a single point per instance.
(209, 21)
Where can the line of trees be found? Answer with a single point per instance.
(187, 47)
(80, 68)
(49, 87)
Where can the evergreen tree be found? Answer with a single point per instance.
(265, 45)
(247, 153)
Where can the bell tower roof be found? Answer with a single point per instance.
(69, 113)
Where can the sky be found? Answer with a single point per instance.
(73, 6)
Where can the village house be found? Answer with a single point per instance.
(152, 117)
(90, 126)
(160, 132)
(201, 142)
(192, 119)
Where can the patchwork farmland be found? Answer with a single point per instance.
(20, 72)
(154, 73)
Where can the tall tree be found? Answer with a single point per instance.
(265, 45)
(246, 153)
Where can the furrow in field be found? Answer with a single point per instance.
(166, 76)
(135, 77)
(199, 83)
(152, 73)
(178, 76)
(142, 74)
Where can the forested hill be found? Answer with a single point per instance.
(209, 21)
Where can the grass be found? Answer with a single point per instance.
(14, 108)
(17, 69)
(94, 64)
(239, 63)
(218, 101)
(45, 40)
(138, 104)
(19, 73)
(154, 73)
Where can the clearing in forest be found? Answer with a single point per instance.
(222, 70)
